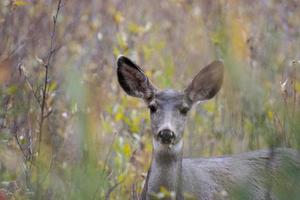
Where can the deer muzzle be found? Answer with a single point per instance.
(166, 136)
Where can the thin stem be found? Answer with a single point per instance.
(44, 98)
(44, 91)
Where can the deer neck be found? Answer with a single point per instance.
(165, 170)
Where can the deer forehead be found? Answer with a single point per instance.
(169, 98)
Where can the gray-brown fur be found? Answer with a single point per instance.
(219, 177)
(259, 172)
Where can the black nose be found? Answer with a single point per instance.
(166, 136)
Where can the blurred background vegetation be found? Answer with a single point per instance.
(91, 140)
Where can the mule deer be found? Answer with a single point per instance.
(203, 178)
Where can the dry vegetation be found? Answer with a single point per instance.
(74, 134)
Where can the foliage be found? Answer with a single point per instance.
(96, 141)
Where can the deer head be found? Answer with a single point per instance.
(169, 107)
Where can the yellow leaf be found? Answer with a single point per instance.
(21, 3)
(116, 52)
(297, 86)
(121, 177)
(119, 116)
(270, 115)
(210, 106)
(149, 73)
(127, 150)
(118, 17)
(52, 86)
(135, 28)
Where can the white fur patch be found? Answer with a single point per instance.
(174, 148)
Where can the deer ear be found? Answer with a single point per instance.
(206, 84)
(133, 80)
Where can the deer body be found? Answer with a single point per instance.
(215, 178)
(203, 178)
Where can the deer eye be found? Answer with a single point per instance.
(153, 108)
(184, 110)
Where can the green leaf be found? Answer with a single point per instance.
(11, 90)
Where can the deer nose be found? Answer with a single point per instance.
(166, 136)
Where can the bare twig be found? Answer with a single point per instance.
(47, 114)
(43, 105)
(46, 65)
